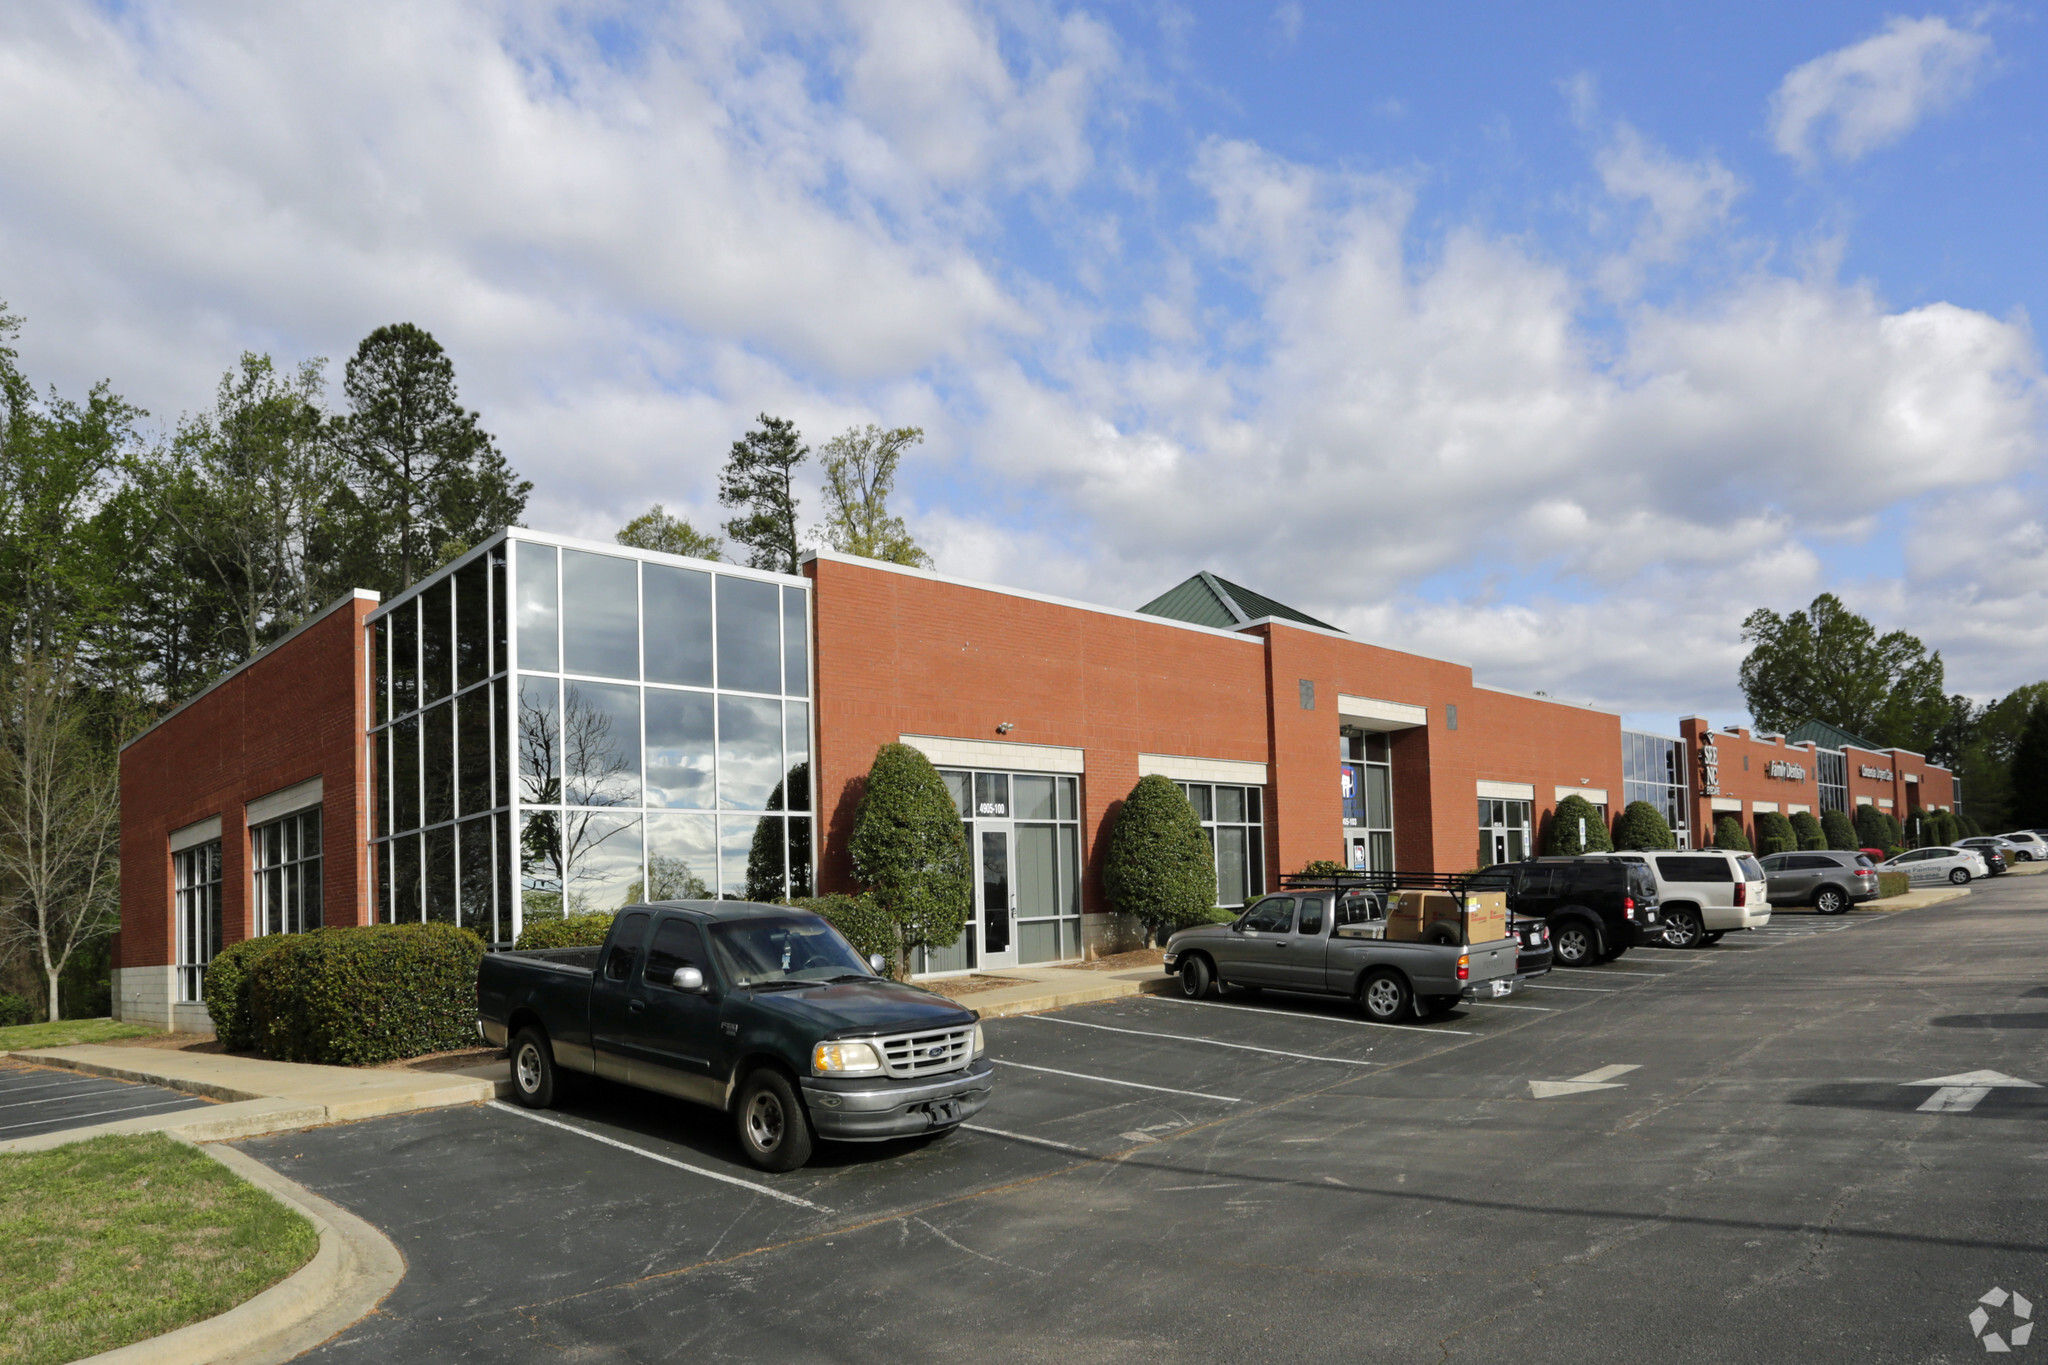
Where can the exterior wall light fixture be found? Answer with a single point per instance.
(1006, 727)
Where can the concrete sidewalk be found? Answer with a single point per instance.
(1052, 988)
(1912, 900)
(259, 1096)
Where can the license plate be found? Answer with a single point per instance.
(1503, 988)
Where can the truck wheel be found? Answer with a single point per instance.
(774, 1131)
(1575, 945)
(1830, 901)
(1385, 998)
(1195, 979)
(1682, 928)
(1960, 876)
(533, 1069)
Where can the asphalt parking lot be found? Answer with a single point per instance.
(35, 1099)
(1711, 1155)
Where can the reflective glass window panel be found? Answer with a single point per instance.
(601, 743)
(405, 774)
(384, 908)
(440, 870)
(501, 765)
(380, 671)
(992, 797)
(196, 873)
(1379, 797)
(540, 740)
(405, 658)
(501, 826)
(678, 609)
(680, 740)
(1252, 804)
(600, 615)
(437, 645)
(682, 857)
(749, 635)
(473, 749)
(800, 883)
(1382, 842)
(477, 879)
(604, 861)
(961, 785)
(285, 857)
(1038, 868)
(437, 730)
(796, 650)
(381, 748)
(796, 748)
(1255, 848)
(540, 865)
(749, 752)
(1233, 865)
(538, 614)
(499, 661)
(1069, 802)
(1070, 870)
(750, 857)
(472, 623)
(1034, 797)
(1203, 800)
(405, 879)
(1230, 805)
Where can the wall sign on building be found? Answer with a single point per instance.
(1791, 772)
(1876, 774)
(1710, 769)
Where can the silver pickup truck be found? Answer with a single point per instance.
(1336, 942)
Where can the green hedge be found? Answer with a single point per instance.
(15, 1009)
(1840, 832)
(572, 931)
(1774, 834)
(1811, 836)
(226, 989)
(1728, 834)
(1893, 884)
(365, 994)
(1642, 826)
(865, 924)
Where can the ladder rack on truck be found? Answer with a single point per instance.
(1383, 887)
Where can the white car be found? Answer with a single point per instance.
(1938, 864)
(1704, 893)
(2032, 846)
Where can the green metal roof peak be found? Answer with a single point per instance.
(1827, 736)
(1206, 600)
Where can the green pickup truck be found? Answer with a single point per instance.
(763, 1012)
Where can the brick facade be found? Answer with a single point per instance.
(1749, 786)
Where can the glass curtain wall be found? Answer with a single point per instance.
(1653, 770)
(196, 876)
(1366, 783)
(1042, 813)
(1233, 818)
(285, 856)
(1831, 769)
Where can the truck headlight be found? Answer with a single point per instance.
(980, 1043)
(844, 1059)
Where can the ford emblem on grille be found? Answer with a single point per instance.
(938, 1051)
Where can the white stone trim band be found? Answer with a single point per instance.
(1392, 715)
(197, 833)
(297, 797)
(1508, 791)
(1597, 795)
(1237, 772)
(994, 753)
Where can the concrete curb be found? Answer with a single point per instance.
(1912, 900)
(355, 1267)
(1011, 1001)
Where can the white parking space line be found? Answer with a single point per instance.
(110, 1090)
(72, 1119)
(1212, 1042)
(1583, 990)
(1616, 971)
(46, 1085)
(1026, 1137)
(1497, 1005)
(656, 1156)
(1284, 1014)
(1106, 1080)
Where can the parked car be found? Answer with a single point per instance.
(761, 1011)
(1337, 942)
(1828, 880)
(1597, 907)
(1937, 864)
(1703, 893)
(2031, 846)
(1999, 853)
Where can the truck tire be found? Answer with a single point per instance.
(774, 1130)
(1196, 980)
(1683, 928)
(533, 1069)
(1441, 934)
(1575, 944)
(1385, 998)
(1830, 901)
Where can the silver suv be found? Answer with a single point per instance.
(1704, 893)
(1827, 879)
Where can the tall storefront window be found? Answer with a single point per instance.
(195, 875)
(1366, 784)
(572, 731)
(1831, 769)
(1234, 819)
(1653, 770)
(1024, 856)
(285, 856)
(1504, 831)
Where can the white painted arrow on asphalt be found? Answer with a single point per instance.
(1601, 1078)
(1960, 1094)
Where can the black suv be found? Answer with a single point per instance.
(1598, 908)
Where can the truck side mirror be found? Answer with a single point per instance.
(876, 962)
(689, 979)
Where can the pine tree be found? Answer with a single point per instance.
(760, 477)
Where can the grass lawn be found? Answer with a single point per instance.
(123, 1238)
(68, 1031)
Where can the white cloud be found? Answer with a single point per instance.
(1682, 200)
(1864, 96)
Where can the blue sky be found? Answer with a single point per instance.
(1553, 339)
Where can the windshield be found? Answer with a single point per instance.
(758, 952)
(1752, 871)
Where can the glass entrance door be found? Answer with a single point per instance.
(995, 895)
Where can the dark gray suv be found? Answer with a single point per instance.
(1829, 881)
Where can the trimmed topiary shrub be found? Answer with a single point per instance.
(226, 989)
(1808, 831)
(1841, 834)
(363, 994)
(1895, 833)
(1871, 831)
(1158, 867)
(1774, 834)
(1642, 827)
(863, 922)
(1728, 834)
(571, 931)
(1562, 837)
(908, 850)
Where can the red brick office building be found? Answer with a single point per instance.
(1819, 768)
(548, 725)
